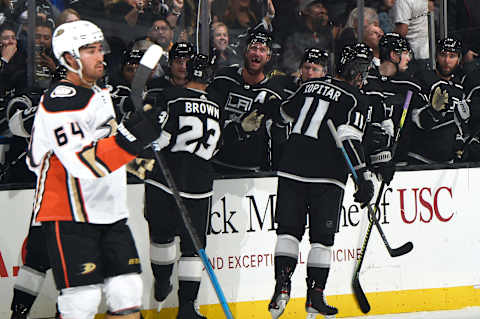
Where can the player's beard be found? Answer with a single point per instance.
(445, 73)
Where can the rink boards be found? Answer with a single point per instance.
(436, 210)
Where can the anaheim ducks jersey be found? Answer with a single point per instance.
(80, 168)
(189, 140)
(311, 154)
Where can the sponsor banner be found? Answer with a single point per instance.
(436, 210)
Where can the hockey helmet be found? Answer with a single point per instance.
(259, 35)
(392, 42)
(132, 56)
(355, 59)
(198, 68)
(181, 50)
(316, 56)
(70, 37)
(449, 45)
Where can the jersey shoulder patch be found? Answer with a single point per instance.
(65, 96)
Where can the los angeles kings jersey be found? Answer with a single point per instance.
(250, 151)
(434, 137)
(189, 140)
(311, 154)
(80, 168)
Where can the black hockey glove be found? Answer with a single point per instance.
(365, 188)
(137, 130)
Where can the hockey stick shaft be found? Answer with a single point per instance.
(147, 64)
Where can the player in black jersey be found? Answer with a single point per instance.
(248, 94)
(122, 81)
(440, 129)
(471, 87)
(312, 175)
(387, 88)
(188, 142)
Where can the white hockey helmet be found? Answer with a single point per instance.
(70, 37)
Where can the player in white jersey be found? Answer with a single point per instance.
(79, 154)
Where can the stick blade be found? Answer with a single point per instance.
(402, 250)
(360, 295)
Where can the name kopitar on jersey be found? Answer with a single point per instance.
(324, 90)
(203, 108)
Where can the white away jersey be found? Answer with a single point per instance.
(80, 168)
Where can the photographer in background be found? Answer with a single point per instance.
(44, 60)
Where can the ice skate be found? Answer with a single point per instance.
(280, 298)
(316, 304)
(20, 312)
(161, 294)
(188, 311)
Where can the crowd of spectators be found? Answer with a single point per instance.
(135, 24)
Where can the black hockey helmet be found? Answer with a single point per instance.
(181, 50)
(355, 59)
(392, 42)
(132, 56)
(449, 45)
(199, 68)
(259, 35)
(316, 56)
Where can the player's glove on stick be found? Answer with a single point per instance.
(139, 129)
(365, 188)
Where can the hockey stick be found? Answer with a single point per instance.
(147, 63)
(357, 288)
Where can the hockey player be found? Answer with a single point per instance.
(122, 81)
(20, 113)
(471, 86)
(314, 64)
(311, 180)
(387, 88)
(440, 127)
(80, 195)
(176, 74)
(188, 142)
(248, 92)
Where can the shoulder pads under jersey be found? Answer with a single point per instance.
(65, 96)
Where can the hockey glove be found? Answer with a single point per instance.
(252, 122)
(439, 99)
(137, 130)
(365, 188)
(140, 166)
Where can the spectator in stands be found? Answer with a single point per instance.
(6, 10)
(468, 22)
(92, 10)
(410, 18)
(44, 58)
(241, 15)
(67, 15)
(12, 61)
(312, 31)
(383, 8)
(224, 54)
(161, 33)
(371, 32)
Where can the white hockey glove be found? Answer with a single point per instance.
(252, 122)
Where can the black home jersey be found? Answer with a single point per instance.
(386, 97)
(434, 137)
(471, 87)
(311, 154)
(189, 139)
(252, 151)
